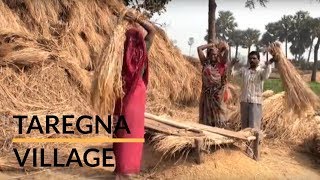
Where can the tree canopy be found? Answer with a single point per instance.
(150, 6)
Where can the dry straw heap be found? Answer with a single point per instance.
(299, 97)
(52, 51)
(289, 116)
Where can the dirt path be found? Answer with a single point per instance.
(234, 164)
(230, 163)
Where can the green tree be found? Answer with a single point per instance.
(316, 48)
(281, 30)
(212, 16)
(266, 39)
(236, 39)
(225, 25)
(312, 24)
(150, 6)
(300, 36)
(250, 37)
(251, 3)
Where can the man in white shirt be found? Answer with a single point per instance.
(252, 80)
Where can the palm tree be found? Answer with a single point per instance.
(190, 43)
(266, 39)
(212, 16)
(225, 25)
(285, 23)
(250, 37)
(281, 29)
(312, 24)
(212, 21)
(251, 3)
(236, 40)
(300, 36)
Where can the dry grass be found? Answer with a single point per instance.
(281, 124)
(170, 145)
(52, 51)
(107, 86)
(299, 97)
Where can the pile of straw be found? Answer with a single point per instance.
(107, 85)
(299, 97)
(170, 145)
(51, 52)
(281, 124)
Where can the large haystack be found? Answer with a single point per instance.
(49, 51)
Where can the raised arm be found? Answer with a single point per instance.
(225, 51)
(151, 31)
(149, 28)
(201, 55)
(265, 73)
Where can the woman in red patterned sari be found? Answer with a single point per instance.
(214, 73)
(135, 75)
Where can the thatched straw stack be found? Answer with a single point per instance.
(50, 51)
(299, 97)
(167, 79)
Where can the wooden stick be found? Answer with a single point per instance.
(198, 143)
(157, 126)
(256, 145)
(224, 132)
(172, 123)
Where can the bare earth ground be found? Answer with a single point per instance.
(228, 163)
(278, 162)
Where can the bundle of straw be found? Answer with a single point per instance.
(107, 85)
(299, 97)
(169, 145)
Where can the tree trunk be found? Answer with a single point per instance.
(236, 55)
(295, 57)
(212, 21)
(299, 57)
(315, 63)
(230, 53)
(190, 51)
(286, 47)
(310, 49)
(267, 56)
(249, 49)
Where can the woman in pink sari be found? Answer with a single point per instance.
(135, 75)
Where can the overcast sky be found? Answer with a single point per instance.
(189, 18)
